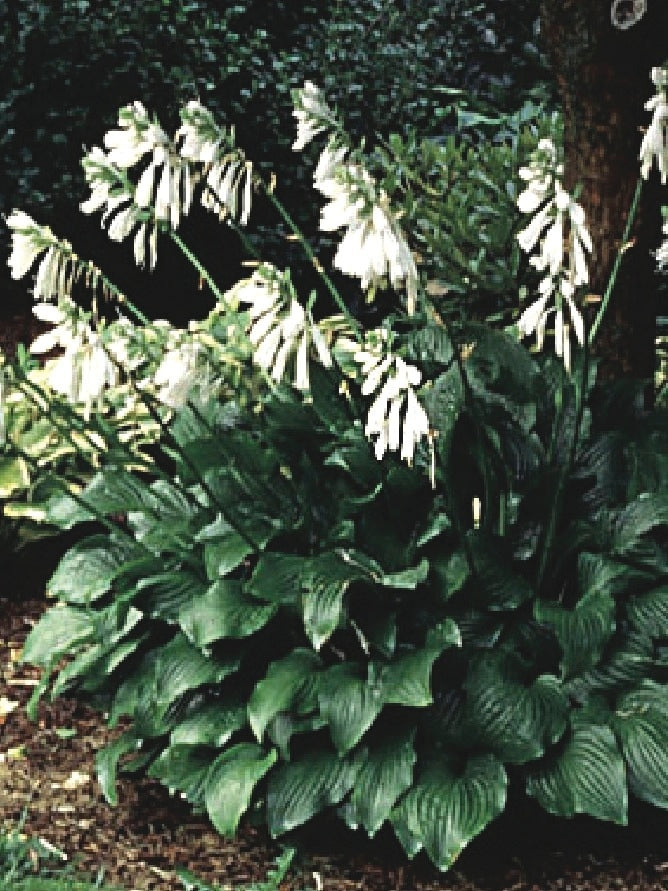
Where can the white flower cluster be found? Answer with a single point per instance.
(166, 185)
(373, 248)
(396, 419)
(655, 141)
(84, 369)
(56, 271)
(558, 229)
(280, 329)
(202, 141)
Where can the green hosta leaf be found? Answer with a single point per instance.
(14, 476)
(649, 612)
(638, 518)
(582, 632)
(284, 726)
(587, 777)
(184, 768)
(622, 667)
(61, 630)
(164, 595)
(91, 669)
(324, 583)
(443, 403)
(210, 724)
(385, 774)
(517, 721)
(230, 783)
(496, 582)
(301, 789)
(598, 573)
(180, 667)
(224, 548)
(290, 684)
(349, 703)
(406, 680)
(447, 808)
(88, 569)
(223, 611)
(641, 724)
(277, 578)
(106, 763)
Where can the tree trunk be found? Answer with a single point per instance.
(603, 76)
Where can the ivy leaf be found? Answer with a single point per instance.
(447, 808)
(386, 772)
(223, 611)
(299, 790)
(230, 782)
(587, 777)
(290, 684)
(641, 724)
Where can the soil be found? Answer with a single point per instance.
(47, 773)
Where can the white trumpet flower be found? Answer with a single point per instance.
(655, 141)
(312, 113)
(559, 233)
(396, 419)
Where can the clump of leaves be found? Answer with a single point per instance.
(294, 621)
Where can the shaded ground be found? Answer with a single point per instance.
(47, 771)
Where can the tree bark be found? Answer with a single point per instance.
(603, 76)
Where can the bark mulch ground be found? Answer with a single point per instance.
(47, 772)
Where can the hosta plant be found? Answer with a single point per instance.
(391, 570)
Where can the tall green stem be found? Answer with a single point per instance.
(203, 271)
(618, 260)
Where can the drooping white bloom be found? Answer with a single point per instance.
(135, 137)
(373, 247)
(655, 141)
(178, 374)
(662, 253)
(312, 114)
(56, 270)
(280, 329)
(396, 419)
(559, 233)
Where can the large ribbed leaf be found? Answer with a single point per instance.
(299, 790)
(61, 630)
(223, 611)
(224, 548)
(649, 612)
(325, 583)
(626, 664)
(290, 684)
(179, 667)
(106, 763)
(210, 724)
(582, 632)
(230, 783)
(277, 578)
(14, 475)
(638, 518)
(184, 768)
(349, 703)
(447, 808)
(586, 777)
(406, 680)
(497, 582)
(87, 570)
(641, 723)
(165, 594)
(516, 721)
(386, 772)
(599, 573)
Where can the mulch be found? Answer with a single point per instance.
(47, 774)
